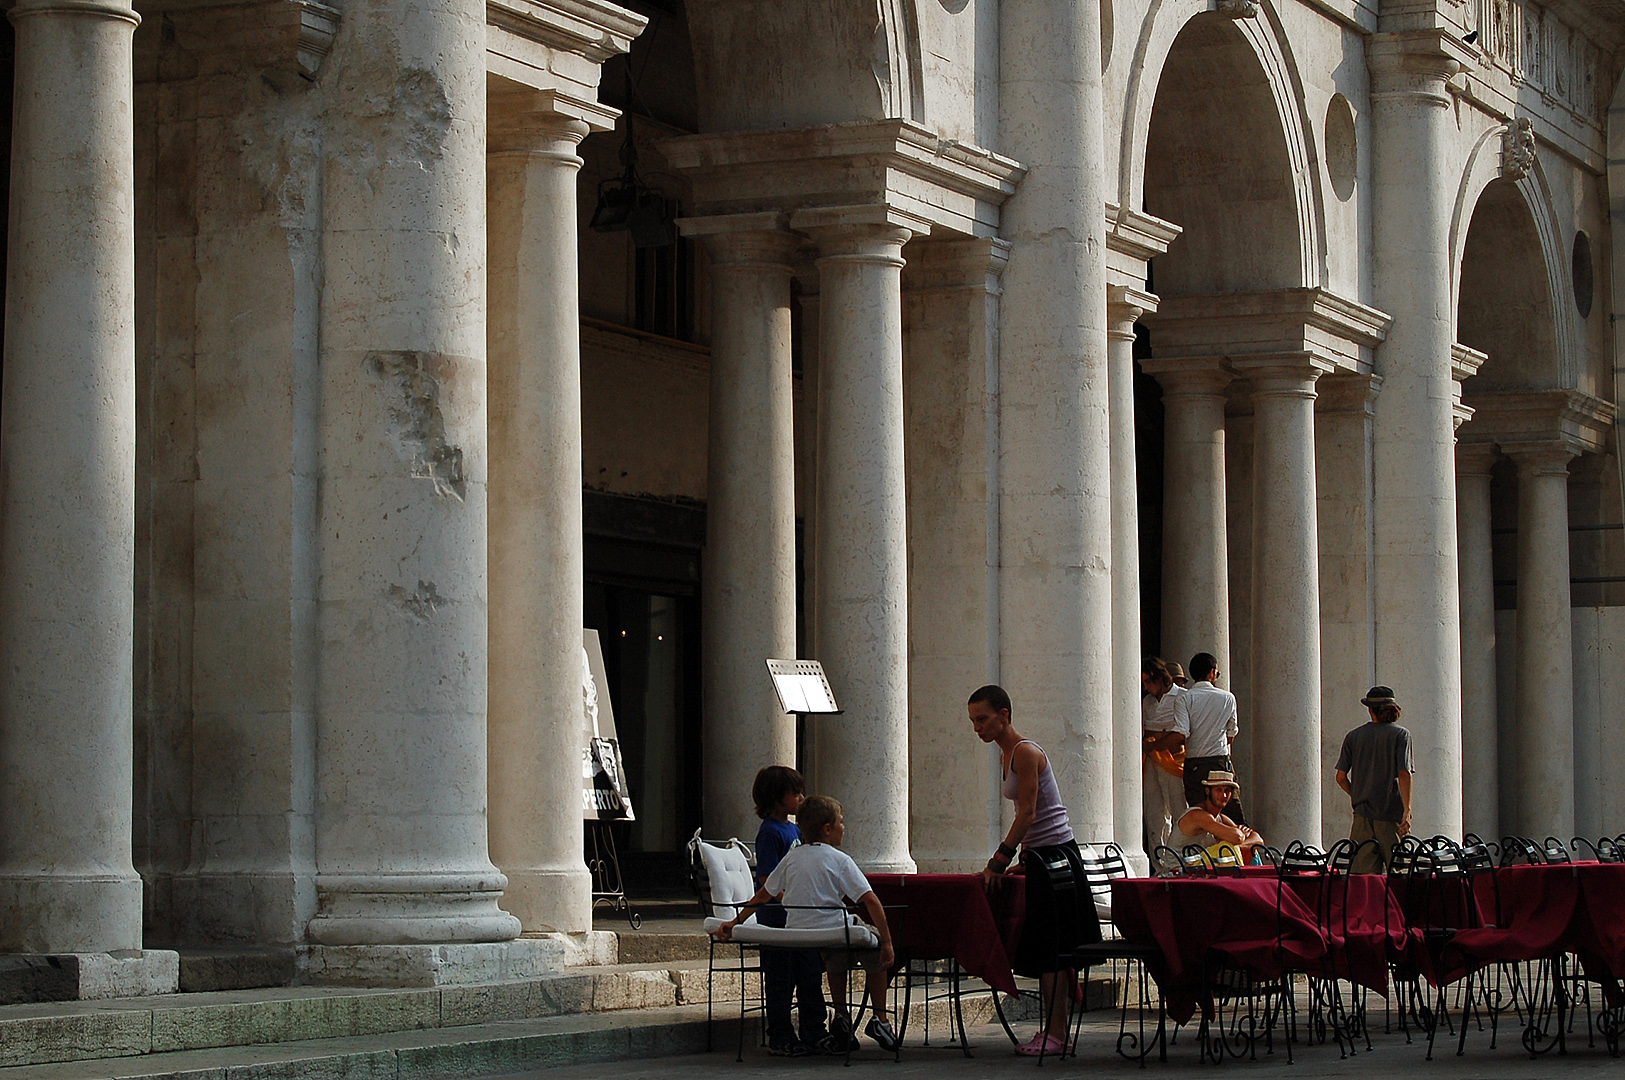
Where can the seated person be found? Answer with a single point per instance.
(778, 793)
(815, 882)
(1207, 827)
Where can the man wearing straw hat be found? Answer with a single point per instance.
(1208, 826)
(1375, 768)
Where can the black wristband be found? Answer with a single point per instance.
(1008, 851)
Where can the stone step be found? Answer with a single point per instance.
(130, 1027)
(497, 1048)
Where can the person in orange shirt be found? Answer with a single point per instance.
(1164, 757)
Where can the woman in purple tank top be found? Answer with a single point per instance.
(1054, 923)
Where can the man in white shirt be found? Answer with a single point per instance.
(1211, 714)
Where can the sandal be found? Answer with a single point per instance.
(1042, 1044)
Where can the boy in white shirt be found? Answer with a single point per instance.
(815, 882)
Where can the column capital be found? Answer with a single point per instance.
(747, 241)
(1545, 457)
(545, 122)
(1347, 392)
(1290, 375)
(1124, 306)
(293, 36)
(1416, 64)
(860, 233)
(1476, 458)
(957, 264)
(1189, 377)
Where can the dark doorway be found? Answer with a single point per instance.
(644, 602)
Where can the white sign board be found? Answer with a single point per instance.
(604, 795)
(802, 686)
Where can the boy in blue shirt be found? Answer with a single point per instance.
(778, 792)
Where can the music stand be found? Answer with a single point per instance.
(802, 687)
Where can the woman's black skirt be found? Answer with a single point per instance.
(1060, 912)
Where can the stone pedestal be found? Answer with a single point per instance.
(88, 976)
(749, 576)
(430, 965)
(1055, 514)
(862, 598)
(536, 725)
(401, 834)
(1545, 684)
(1124, 307)
(67, 883)
(1480, 759)
(1417, 606)
(1195, 554)
(1285, 805)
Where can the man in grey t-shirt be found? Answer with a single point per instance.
(1375, 768)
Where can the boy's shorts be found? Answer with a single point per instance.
(840, 961)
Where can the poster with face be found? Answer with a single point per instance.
(604, 795)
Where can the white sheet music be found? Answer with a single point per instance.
(802, 686)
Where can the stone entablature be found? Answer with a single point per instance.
(894, 163)
(1286, 322)
(1563, 52)
(1512, 418)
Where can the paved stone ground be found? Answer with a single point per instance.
(1389, 1058)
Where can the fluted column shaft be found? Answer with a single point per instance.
(1545, 719)
(750, 524)
(1286, 607)
(1480, 759)
(1417, 607)
(534, 338)
(1195, 553)
(1124, 307)
(401, 836)
(862, 599)
(67, 487)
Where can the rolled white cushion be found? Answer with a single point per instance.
(858, 935)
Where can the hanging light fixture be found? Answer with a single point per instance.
(626, 203)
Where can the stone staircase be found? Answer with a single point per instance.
(626, 996)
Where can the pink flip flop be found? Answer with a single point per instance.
(1043, 1044)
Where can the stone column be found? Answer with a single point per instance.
(1417, 608)
(67, 504)
(534, 338)
(1055, 514)
(862, 599)
(750, 523)
(401, 842)
(1124, 307)
(1285, 668)
(950, 368)
(1195, 554)
(1480, 759)
(1545, 642)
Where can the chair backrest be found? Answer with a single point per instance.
(1555, 850)
(1194, 861)
(730, 883)
(1101, 864)
(1608, 850)
(1516, 849)
(1341, 857)
(1165, 861)
(1300, 858)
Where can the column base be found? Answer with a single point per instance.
(59, 915)
(262, 908)
(430, 965)
(127, 973)
(411, 909)
(550, 900)
(585, 948)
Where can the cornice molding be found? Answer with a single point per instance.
(1311, 322)
(1517, 418)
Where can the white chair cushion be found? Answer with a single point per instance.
(858, 935)
(728, 871)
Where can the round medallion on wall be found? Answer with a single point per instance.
(1342, 152)
(954, 7)
(1583, 280)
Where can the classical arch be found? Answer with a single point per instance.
(1266, 39)
(1489, 164)
(799, 63)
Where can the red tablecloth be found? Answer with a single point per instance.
(1363, 920)
(1238, 917)
(952, 917)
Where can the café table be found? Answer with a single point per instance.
(954, 917)
(1250, 921)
